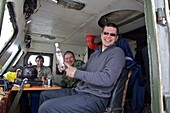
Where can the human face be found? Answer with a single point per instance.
(39, 62)
(108, 36)
(69, 58)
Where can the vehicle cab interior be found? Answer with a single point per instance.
(30, 28)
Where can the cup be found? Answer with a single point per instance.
(49, 82)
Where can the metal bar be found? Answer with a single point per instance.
(17, 97)
(154, 57)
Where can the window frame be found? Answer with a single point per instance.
(26, 57)
(10, 6)
(10, 60)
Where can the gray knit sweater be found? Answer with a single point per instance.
(101, 71)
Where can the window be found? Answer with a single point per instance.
(31, 60)
(9, 28)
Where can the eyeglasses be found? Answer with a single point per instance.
(111, 34)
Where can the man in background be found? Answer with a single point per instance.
(68, 82)
(44, 72)
(32, 99)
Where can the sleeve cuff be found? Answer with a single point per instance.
(75, 73)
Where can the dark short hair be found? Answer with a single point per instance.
(39, 57)
(111, 25)
(68, 52)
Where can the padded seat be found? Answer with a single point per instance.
(117, 101)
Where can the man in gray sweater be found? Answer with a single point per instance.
(97, 76)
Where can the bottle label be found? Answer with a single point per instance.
(60, 60)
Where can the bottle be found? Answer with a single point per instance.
(60, 59)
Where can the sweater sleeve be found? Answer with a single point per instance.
(82, 67)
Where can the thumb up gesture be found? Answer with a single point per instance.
(70, 70)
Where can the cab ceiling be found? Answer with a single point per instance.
(52, 23)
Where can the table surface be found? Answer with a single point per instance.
(36, 88)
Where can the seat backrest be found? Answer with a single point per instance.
(131, 77)
(119, 92)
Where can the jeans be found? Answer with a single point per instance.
(71, 101)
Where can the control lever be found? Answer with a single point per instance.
(17, 97)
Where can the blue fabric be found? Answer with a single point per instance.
(136, 82)
(124, 44)
(24, 100)
(34, 97)
(34, 101)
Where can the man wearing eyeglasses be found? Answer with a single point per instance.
(97, 76)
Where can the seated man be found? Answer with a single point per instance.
(68, 82)
(43, 73)
(97, 76)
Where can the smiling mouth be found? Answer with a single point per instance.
(107, 40)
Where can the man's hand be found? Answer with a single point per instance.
(70, 70)
(43, 79)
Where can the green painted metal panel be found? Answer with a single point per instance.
(156, 91)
